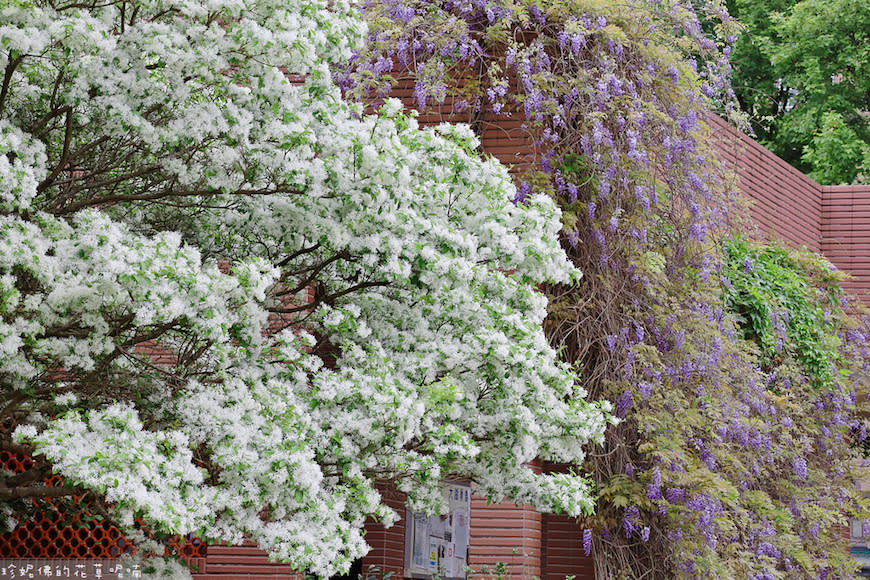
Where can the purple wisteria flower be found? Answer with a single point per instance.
(614, 224)
(573, 238)
(587, 541)
(675, 495)
(599, 238)
(630, 520)
(638, 332)
(624, 403)
(645, 389)
(524, 191)
(768, 549)
(654, 491)
(799, 467)
(709, 459)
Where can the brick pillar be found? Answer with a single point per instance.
(505, 533)
(387, 552)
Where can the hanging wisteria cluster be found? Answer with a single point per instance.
(733, 458)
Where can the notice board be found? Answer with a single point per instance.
(438, 545)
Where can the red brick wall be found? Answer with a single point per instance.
(388, 544)
(504, 138)
(832, 220)
(502, 135)
(499, 533)
(846, 234)
(241, 563)
(785, 203)
(508, 534)
(531, 545)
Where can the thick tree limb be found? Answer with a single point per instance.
(329, 298)
(7, 79)
(39, 491)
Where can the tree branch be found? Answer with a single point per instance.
(25, 478)
(7, 79)
(298, 253)
(39, 125)
(157, 195)
(7, 411)
(39, 491)
(315, 270)
(329, 298)
(64, 157)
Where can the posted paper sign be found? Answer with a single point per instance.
(438, 545)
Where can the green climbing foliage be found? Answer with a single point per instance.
(789, 304)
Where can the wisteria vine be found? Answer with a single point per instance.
(734, 456)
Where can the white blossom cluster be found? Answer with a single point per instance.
(146, 144)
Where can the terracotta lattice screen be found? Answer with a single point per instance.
(54, 532)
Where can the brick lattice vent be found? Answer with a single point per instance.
(57, 533)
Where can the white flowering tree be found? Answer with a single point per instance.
(231, 302)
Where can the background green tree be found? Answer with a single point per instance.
(802, 71)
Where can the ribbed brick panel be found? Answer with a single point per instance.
(505, 533)
(846, 233)
(505, 138)
(387, 544)
(562, 550)
(785, 203)
(242, 563)
(502, 135)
